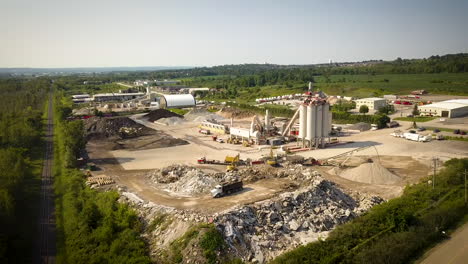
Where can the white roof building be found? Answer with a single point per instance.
(374, 103)
(449, 108)
(177, 101)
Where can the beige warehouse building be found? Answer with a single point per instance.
(373, 103)
(449, 108)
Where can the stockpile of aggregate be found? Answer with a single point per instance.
(106, 127)
(160, 113)
(370, 172)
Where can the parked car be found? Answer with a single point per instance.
(421, 128)
(456, 131)
(462, 133)
(436, 130)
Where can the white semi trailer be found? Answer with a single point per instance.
(417, 137)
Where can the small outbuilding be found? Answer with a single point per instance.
(177, 101)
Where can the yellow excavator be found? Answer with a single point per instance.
(232, 160)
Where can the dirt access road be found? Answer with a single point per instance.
(452, 251)
(138, 183)
(45, 245)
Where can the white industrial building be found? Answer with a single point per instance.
(373, 103)
(177, 101)
(107, 97)
(449, 108)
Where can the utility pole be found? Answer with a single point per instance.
(465, 188)
(435, 170)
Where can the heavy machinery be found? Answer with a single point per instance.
(225, 188)
(272, 160)
(233, 141)
(232, 162)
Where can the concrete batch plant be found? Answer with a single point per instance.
(314, 123)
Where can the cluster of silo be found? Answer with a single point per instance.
(314, 124)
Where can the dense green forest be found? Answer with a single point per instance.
(21, 152)
(397, 231)
(93, 226)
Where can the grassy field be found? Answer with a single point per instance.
(377, 85)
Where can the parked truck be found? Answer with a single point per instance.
(226, 188)
(417, 137)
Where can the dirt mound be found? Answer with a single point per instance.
(360, 126)
(106, 127)
(370, 172)
(160, 113)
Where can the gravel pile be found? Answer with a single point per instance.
(370, 172)
(160, 113)
(105, 127)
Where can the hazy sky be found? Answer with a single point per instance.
(81, 33)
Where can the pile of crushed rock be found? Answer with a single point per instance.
(369, 172)
(106, 127)
(160, 113)
(261, 231)
(183, 180)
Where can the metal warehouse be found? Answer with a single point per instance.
(177, 101)
(449, 108)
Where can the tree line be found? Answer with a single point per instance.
(21, 128)
(93, 226)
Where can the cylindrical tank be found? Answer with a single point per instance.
(302, 121)
(319, 122)
(325, 116)
(311, 119)
(267, 119)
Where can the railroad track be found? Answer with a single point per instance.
(46, 243)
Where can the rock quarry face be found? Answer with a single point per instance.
(263, 230)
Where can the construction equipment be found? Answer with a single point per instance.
(226, 188)
(232, 162)
(203, 160)
(233, 141)
(272, 160)
(204, 131)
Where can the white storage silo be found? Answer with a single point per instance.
(311, 120)
(302, 121)
(319, 122)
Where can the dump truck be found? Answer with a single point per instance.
(225, 188)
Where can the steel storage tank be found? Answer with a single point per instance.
(325, 116)
(302, 121)
(311, 118)
(319, 122)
